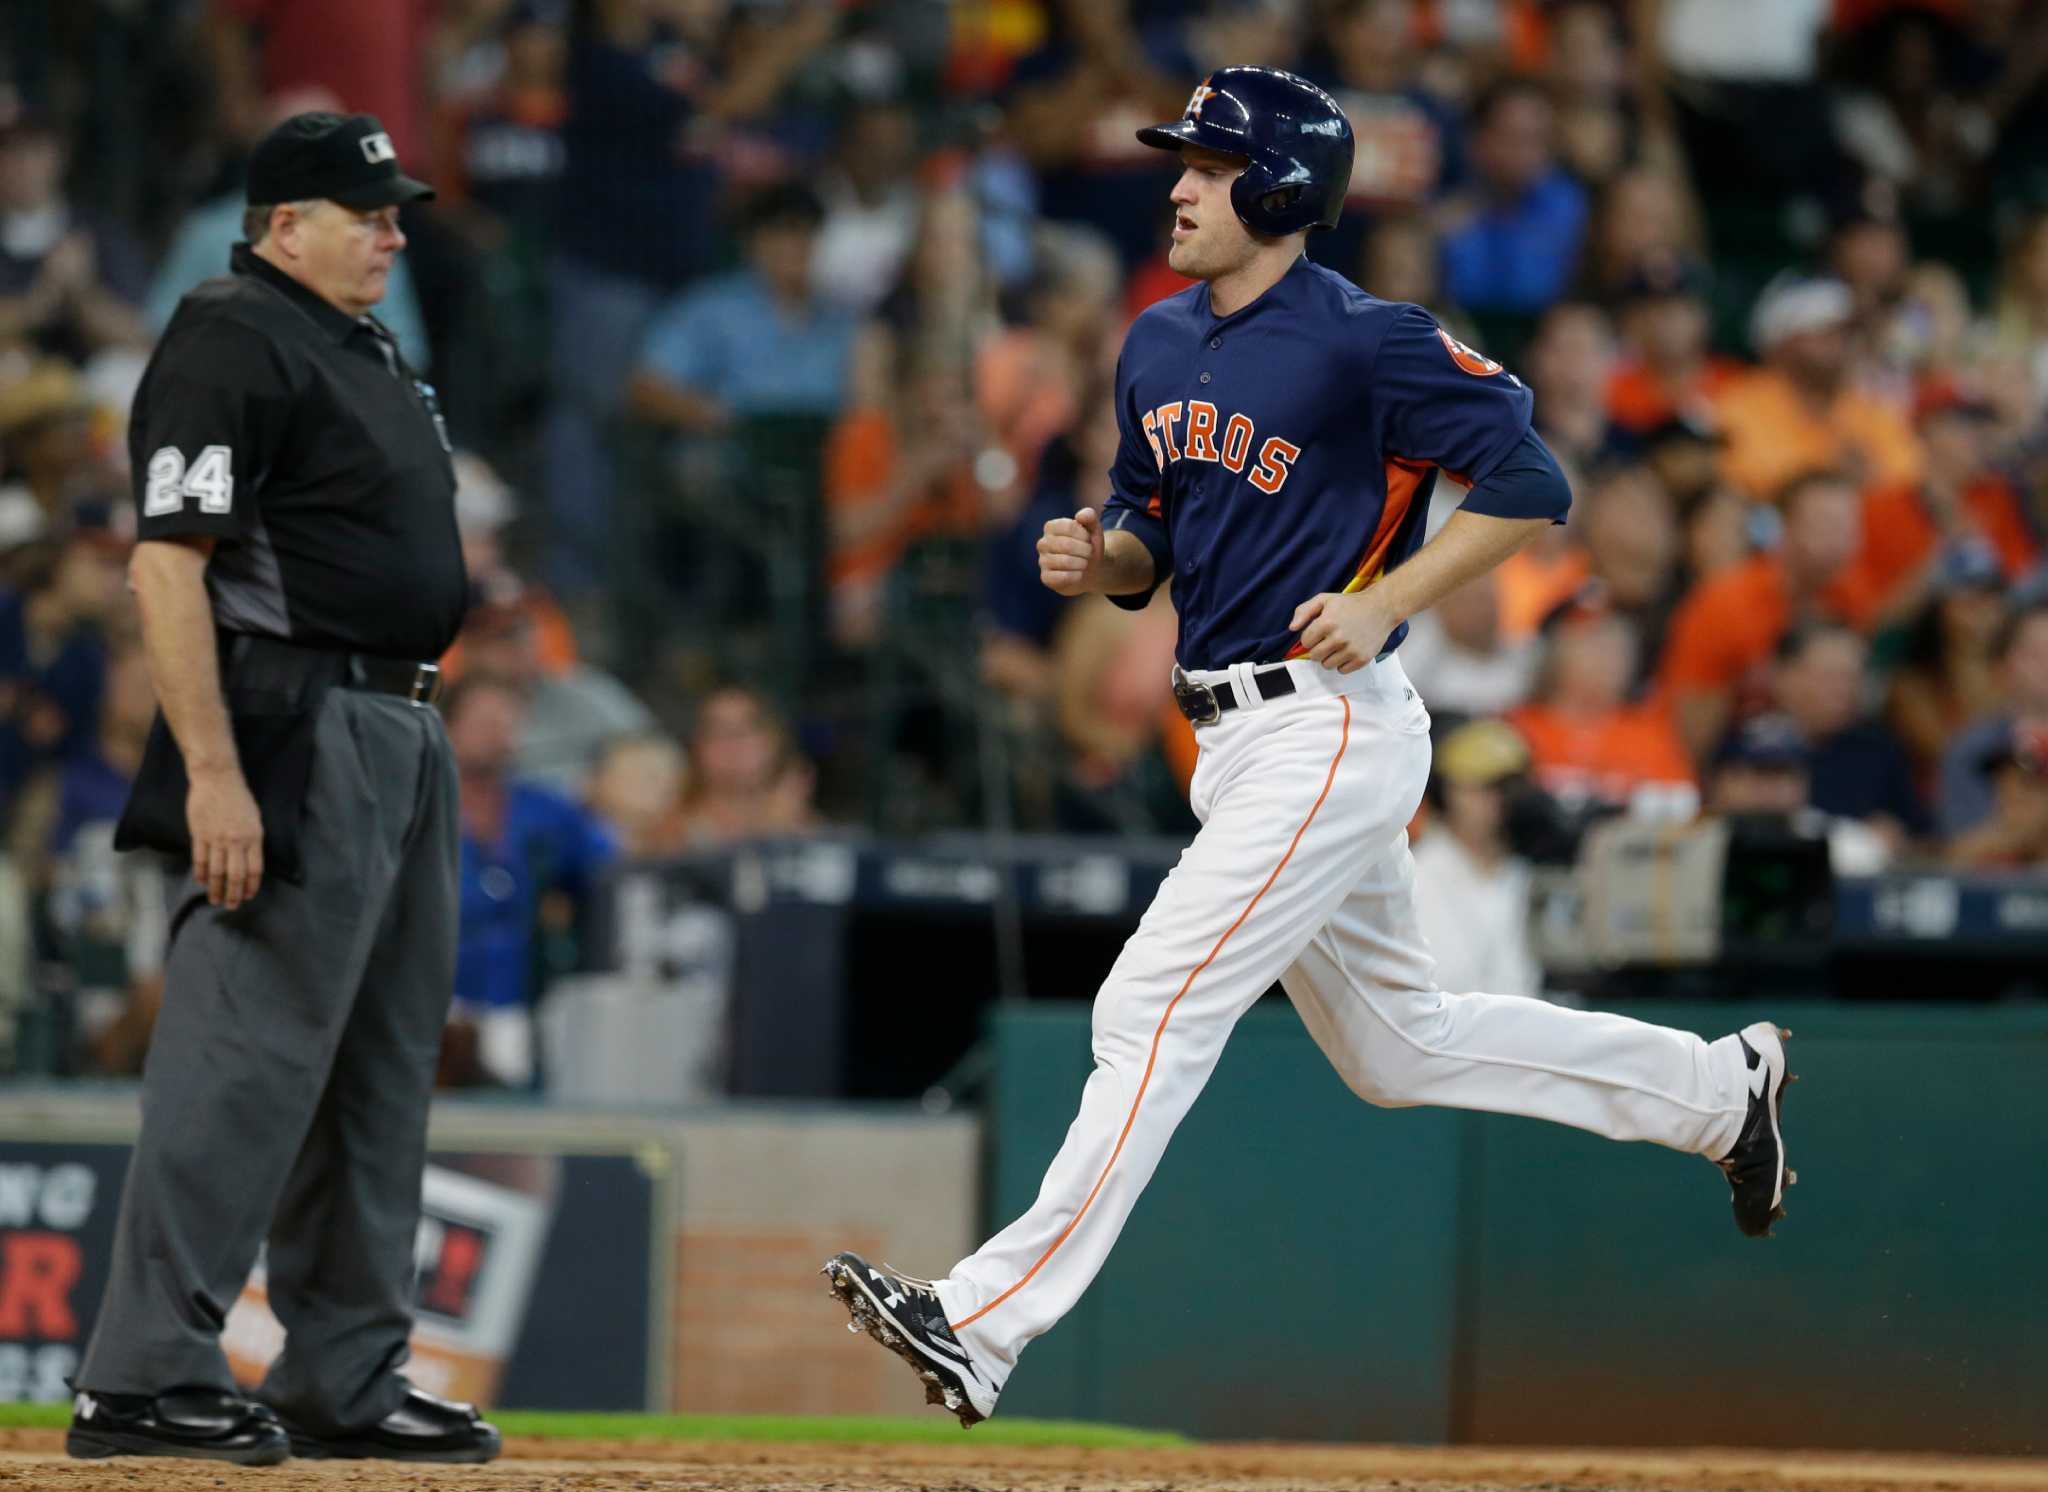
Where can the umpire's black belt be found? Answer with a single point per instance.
(1205, 703)
(268, 665)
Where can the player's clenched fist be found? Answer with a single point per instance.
(1070, 553)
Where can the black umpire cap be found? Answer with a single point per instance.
(349, 160)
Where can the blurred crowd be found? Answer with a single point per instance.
(772, 331)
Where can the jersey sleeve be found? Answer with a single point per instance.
(1525, 483)
(1134, 503)
(1441, 402)
(209, 420)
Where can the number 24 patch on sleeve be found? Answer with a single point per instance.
(210, 480)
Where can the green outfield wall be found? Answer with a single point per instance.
(1304, 1265)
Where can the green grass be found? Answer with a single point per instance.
(864, 1429)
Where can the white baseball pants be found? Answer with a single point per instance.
(1301, 873)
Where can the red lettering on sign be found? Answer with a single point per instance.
(461, 1252)
(37, 1271)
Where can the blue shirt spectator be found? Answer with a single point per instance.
(545, 844)
(757, 342)
(524, 848)
(199, 252)
(1514, 244)
(1966, 790)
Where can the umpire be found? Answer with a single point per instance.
(297, 571)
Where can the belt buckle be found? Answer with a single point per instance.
(1196, 700)
(426, 683)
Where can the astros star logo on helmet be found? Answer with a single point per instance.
(1199, 97)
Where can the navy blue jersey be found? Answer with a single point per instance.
(1291, 449)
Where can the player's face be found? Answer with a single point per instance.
(347, 253)
(1208, 239)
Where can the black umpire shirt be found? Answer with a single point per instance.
(295, 435)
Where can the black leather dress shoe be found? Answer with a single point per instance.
(201, 1423)
(423, 1428)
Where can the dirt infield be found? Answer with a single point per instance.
(34, 1459)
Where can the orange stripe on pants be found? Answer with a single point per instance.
(1152, 1058)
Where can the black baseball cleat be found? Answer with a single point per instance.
(1756, 1168)
(202, 1424)
(423, 1428)
(904, 1315)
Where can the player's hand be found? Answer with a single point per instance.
(227, 837)
(1070, 553)
(1342, 632)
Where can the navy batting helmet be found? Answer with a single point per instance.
(1294, 138)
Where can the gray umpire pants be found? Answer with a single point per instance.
(286, 1091)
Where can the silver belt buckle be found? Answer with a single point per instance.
(426, 681)
(1197, 700)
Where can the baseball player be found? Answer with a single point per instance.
(1281, 435)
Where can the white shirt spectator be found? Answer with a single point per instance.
(1744, 41)
(1458, 681)
(1476, 919)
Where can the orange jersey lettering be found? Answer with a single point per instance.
(1275, 458)
(1201, 431)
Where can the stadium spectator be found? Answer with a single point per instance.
(106, 915)
(1112, 673)
(1023, 615)
(568, 712)
(1868, 251)
(1029, 379)
(1401, 261)
(69, 284)
(1961, 501)
(530, 859)
(1948, 673)
(1800, 411)
(1571, 362)
(899, 465)
(53, 649)
(1076, 105)
(1631, 538)
(46, 436)
(1857, 768)
(2011, 769)
(1725, 630)
(1460, 657)
(502, 153)
(1714, 523)
(366, 53)
(1743, 82)
(652, 87)
(755, 342)
(1934, 337)
(1646, 223)
(1762, 769)
(637, 791)
(1909, 106)
(1409, 140)
(1968, 795)
(747, 778)
(871, 206)
(1512, 238)
(1588, 75)
(1667, 370)
(1471, 889)
(1587, 743)
(2020, 313)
